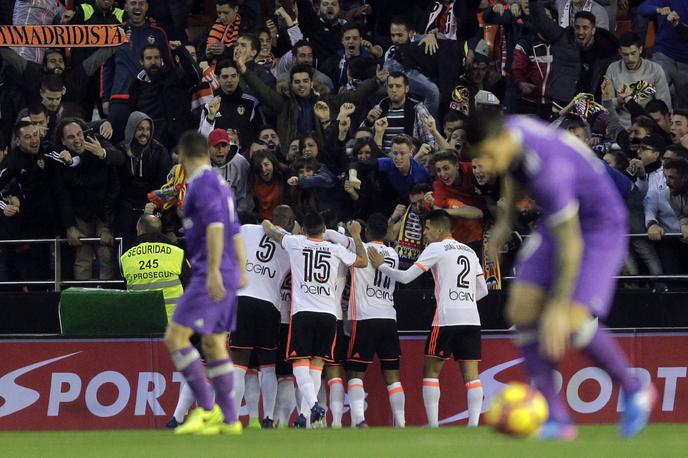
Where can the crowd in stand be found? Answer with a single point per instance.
(344, 106)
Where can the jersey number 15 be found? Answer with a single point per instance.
(316, 266)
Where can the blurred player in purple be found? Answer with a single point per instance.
(566, 268)
(208, 306)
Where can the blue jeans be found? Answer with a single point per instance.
(420, 85)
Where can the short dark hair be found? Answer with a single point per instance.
(266, 127)
(453, 116)
(376, 226)
(329, 218)
(401, 20)
(253, 38)
(193, 145)
(59, 129)
(232, 3)
(313, 223)
(148, 47)
(630, 39)
(678, 150)
(300, 44)
(398, 74)
(420, 188)
(586, 15)
(446, 155)
(352, 25)
(225, 63)
(680, 165)
(645, 122)
(52, 83)
(573, 121)
(680, 112)
(439, 218)
(480, 125)
(307, 163)
(403, 139)
(19, 125)
(301, 68)
(37, 108)
(657, 106)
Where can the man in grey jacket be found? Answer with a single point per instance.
(633, 77)
(676, 174)
(230, 165)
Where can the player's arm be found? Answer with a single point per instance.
(340, 239)
(402, 276)
(465, 211)
(215, 245)
(272, 232)
(480, 287)
(354, 228)
(505, 218)
(240, 253)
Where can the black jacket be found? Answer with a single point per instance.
(239, 111)
(173, 101)
(89, 191)
(34, 175)
(570, 68)
(325, 38)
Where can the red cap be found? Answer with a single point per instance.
(218, 136)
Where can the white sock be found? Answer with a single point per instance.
(184, 403)
(474, 391)
(302, 374)
(316, 376)
(268, 388)
(356, 401)
(299, 398)
(252, 394)
(286, 400)
(431, 399)
(336, 401)
(239, 386)
(397, 401)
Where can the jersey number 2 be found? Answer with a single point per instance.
(465, 266)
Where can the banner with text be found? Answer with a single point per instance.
(62, 36)
(131, 383)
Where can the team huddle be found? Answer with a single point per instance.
(239, 273)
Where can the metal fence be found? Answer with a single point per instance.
(57, 281)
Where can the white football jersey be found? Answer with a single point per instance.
(285, 302)
(456, 270)
(372, 291)
(314, 268)
(267, 263)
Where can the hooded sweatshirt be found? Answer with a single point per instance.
(142, 172)
(235, 172)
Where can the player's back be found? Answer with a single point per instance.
(209, 201)
(455, 268)
(560, 172)
(373, 291)
(314, 268)
(267, 263)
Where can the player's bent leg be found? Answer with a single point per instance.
(395, 392)
(525, 305)
(268, 390)
(286, 400)
(304, 382)
(474, 390)
(187, 360)
(601, 347)
(221, 374)
(431, 389)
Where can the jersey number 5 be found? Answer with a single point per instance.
(465, 266)
(266, 249)
(316, 266)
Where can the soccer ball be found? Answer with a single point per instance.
(518, 410)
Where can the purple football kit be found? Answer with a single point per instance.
(564, 178)
(209, 201)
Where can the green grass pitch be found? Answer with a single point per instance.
(659, 440)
